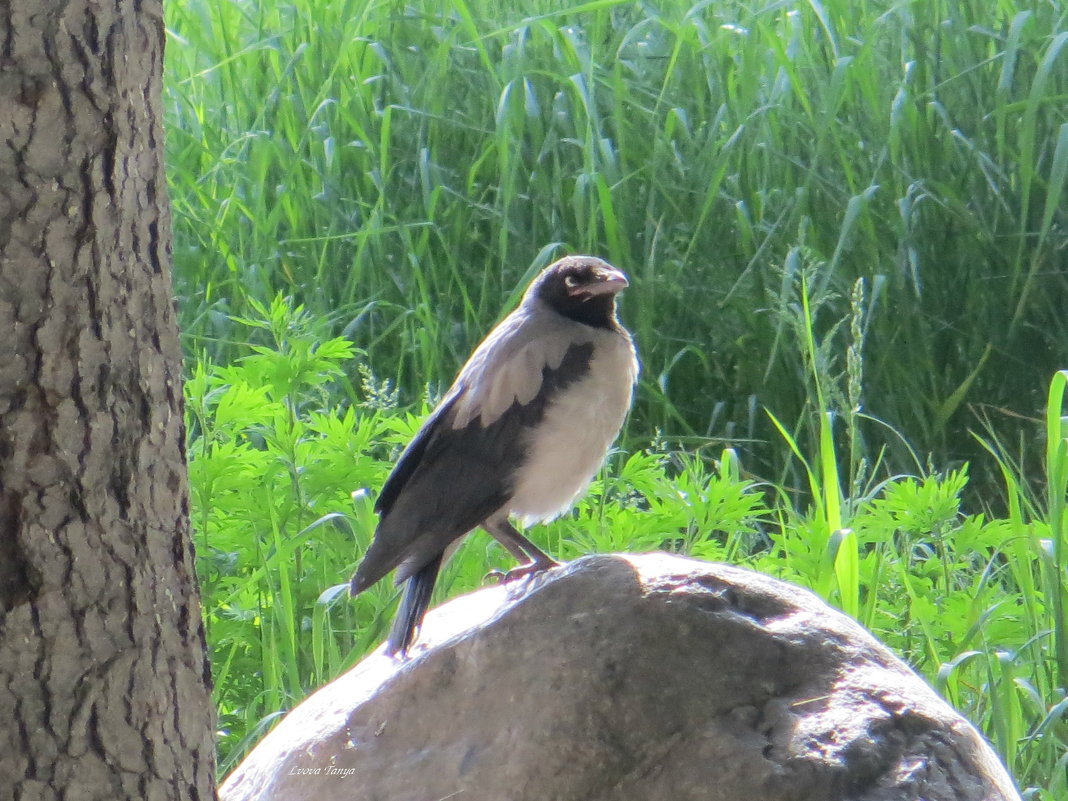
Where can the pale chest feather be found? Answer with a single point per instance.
(579, 425)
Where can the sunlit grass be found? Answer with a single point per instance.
(399, 168)
(845, 225)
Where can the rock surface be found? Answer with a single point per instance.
(628, 677)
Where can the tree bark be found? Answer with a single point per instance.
(103, 674)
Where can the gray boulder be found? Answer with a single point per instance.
(628, 677)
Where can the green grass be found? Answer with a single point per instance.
(846, 227)
(399, 169)
(282, 480)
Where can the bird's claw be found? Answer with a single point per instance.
(528, 570)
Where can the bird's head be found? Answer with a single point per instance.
(581, 288)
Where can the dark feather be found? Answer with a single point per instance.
(412, 607)
(411, 457)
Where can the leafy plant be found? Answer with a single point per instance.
(282, 486)
(847, 214)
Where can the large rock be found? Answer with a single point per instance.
(624, 678)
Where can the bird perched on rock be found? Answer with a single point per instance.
(522, 431)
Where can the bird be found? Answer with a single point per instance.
(521, 432)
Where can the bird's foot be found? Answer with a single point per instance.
(522, 571)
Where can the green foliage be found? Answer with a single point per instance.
(848, 215)
(282, 478)
(273, 471)
(400, 167)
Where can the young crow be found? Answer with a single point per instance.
(522, 431)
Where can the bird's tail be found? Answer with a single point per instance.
(413, 606)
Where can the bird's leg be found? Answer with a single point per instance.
(536, 560)
(512, 540)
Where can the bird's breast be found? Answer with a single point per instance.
(566, 449)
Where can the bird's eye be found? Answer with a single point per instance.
(571, 281)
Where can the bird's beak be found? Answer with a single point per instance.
(608, 282)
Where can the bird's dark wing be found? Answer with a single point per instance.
(459, 468)
(412, 456)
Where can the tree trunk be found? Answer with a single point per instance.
(103, 675)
